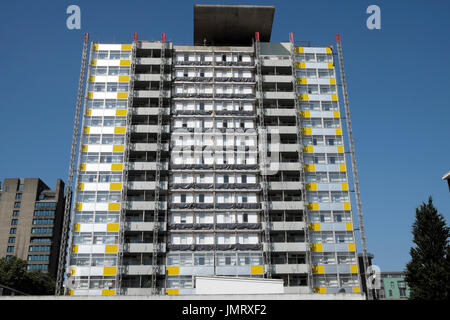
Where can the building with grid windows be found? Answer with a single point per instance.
(222, 158)
(31, 217)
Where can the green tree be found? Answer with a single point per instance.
(428, 272)
(14, 274)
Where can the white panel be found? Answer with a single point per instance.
(88, 206)
(86, 227)
(101, 207)
(84, 248)
(98, 95)
(96, 271)
(110, 95)
(98, 248)
(104, 167)
(109, 46)
(106, 148)
(100, 227)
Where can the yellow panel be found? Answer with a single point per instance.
(353, 268)
(334, 97)
(346, 205)
(332, 81)
(73, 271)
(302, 81)
(173, 271)
(95, 46)
(305, 114)
(108, 292)
(299, 49)
(342, 167)
(124, 62)
(351, 247)
(173, 292)
(75, 248)
(88, 112)
(109, 271)
(115, 187)
(93, 62)
(306, 131)
(311, 186)
(117, 167)
(124, 78)
(86, 130)
(114, 206)
(118, 148)
(356, 290)
(111, 248)
(79, 206)
(112, 227)
(308, 149)
(126, 47)
(316, 247)
(90, 95)
(122, 95)
(320, 290)
(81, 186)
(121, 112)
(338, 131)
(330, 65)
(336, 114)
(328, 50)
(256, 270)
(76, 227)
(300, 65)
(345, 187)
(340, 149)
(84, 148)
(92, 78)
(349, 226)
(314, 226)
(313, 206)
(119, 130)
(310, 167)
(318, 269)
(83, 167)
(303, 97)
(70, 292)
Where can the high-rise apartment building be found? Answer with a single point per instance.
(31, 217)
(224, 158)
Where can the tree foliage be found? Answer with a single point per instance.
(14, 274)
(428, 272)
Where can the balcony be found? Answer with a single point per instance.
(143, 247)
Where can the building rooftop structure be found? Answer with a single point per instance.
(224, 25)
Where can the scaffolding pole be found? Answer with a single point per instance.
(126, 169)
(353, 158)
(158, 168)
(263, 154)
(302, 164)
(68, 191)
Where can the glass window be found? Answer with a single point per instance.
(14, 221)
(16, 213)
(10, 249)
(114, 55)
(113, 71)
(11, 240)
(16, 204)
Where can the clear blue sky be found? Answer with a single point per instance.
(398, 80)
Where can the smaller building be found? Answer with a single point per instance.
(31, 217)
(447, 177)
(393, 286)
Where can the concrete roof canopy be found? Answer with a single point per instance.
(231, 25)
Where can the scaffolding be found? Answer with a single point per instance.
(302, 163)
(126, 169)
(69, 186)
(158, 168)
(353, 158)
(263, 154)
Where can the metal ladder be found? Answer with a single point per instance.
(69, 186)
(126, 168)
(158, 170)
(302, 166)
(353, 158)
(263, 155)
